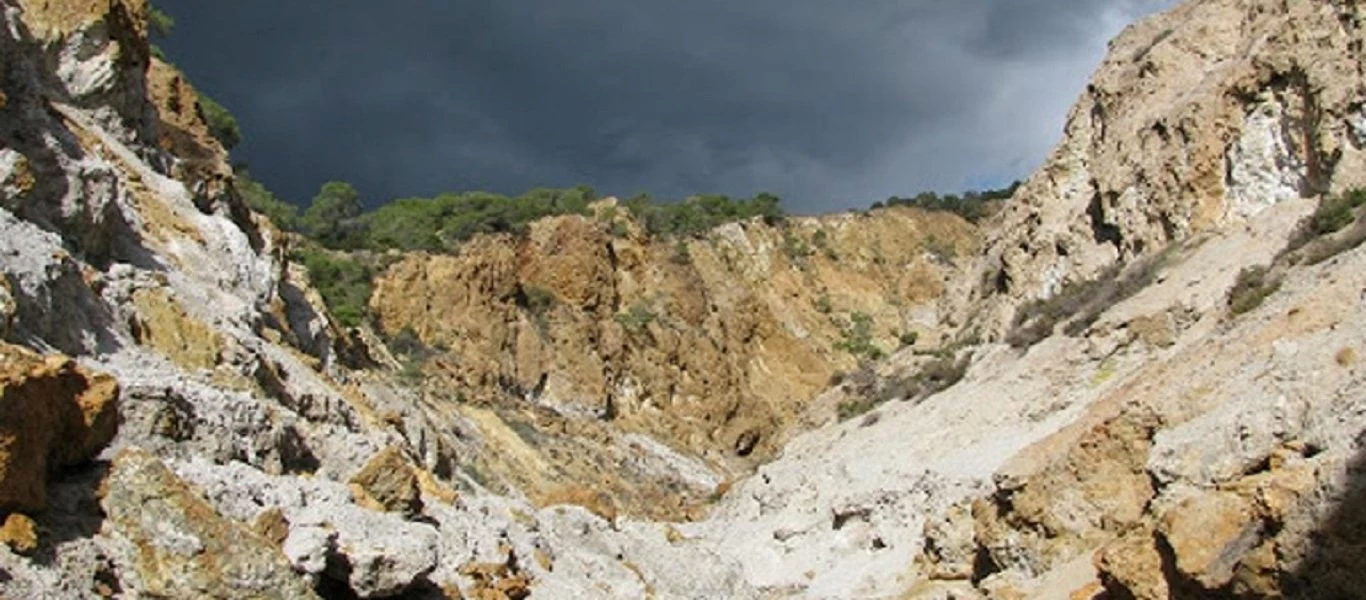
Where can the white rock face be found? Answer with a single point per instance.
(1265, 166)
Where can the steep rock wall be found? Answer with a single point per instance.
(1198, 119)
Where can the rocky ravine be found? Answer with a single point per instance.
(713, 349)
(1156, 446)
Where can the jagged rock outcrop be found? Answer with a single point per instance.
(389, 483)
(1198, 119)
(53, 414)
(177, 546)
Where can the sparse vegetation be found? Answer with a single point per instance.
(1253, 286)
(1336, 212)
(412, 354)
(222, 125)
(637, 318)
(526, 431)
(854, 407)
(908, 338)
(934, 376)
(159, 25)
(823, 304)
(821, 240)
(1320, 236)
(158, 22)
(941, 250)
(537, 302)
(681, 255)
(1081, 303)
(283, 214)
(794, 247)
(858, 338)
(343, 281)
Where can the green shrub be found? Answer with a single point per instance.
(222, 125)
(332, 217)
(637, 318)
(681, 255)
(854, 407)
(407, 343)
(940, 250)
(822, 242)
(1251, 288)
(908, 338)
(158, 22)
(538, 302)
(283, 214)
(858, 338)
(972, 206)
(933, 377)
(1334, 213)
(698, 214)
(823, 304)
(405, 224)
(794, 247)
(343, 281)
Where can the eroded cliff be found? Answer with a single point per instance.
(584, 340)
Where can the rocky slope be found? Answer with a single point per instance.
(591, 345)
(1197, 120)
(1131, 437)
(246, 459)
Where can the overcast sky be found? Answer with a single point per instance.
(829, 104)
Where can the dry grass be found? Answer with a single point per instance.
(1081, 303)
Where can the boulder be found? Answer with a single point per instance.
(20, 533)
(168, 542)
(388, 483)
(53, 413)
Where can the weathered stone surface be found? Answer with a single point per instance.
(389, 483)
(950, 551)
(20, 533)
(170, 543)
(1208, 534)
(378, 556)
(498, 581)
(1132, 567)
(1198, 119)
(53, 413)
(273, 526)
(162, 324)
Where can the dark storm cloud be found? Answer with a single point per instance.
(829, 104)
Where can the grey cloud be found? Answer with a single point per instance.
(829, 104)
